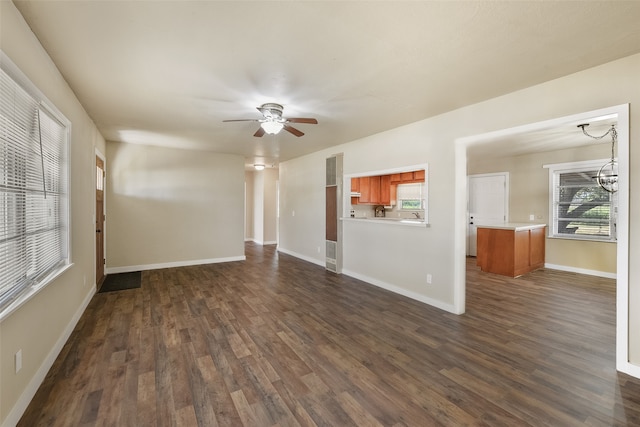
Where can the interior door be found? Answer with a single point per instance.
(488, 203)
(100, 175)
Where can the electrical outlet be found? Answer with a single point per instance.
(318, 249)
(18, 359)
(429, 278)
(532, 217)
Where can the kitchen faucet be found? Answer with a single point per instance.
(417, 214)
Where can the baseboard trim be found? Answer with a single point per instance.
(262, 243)
(143, 267)
(30, 391)
(375, 282)
(581, 271)
(302, 257)
(630, 369)
(401, 291)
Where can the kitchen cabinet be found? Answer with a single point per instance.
(374, 190)
(511, 249)
(408, 177)
(385, 190)
(365, 190)
(355, 189)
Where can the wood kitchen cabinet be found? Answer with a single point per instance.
(511, 249)
(385, 190)
(408, 177)
(374, 190)
(355, 188)
(365, 190)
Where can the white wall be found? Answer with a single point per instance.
(168, 207)
(264, 206)
(41, 326)
(270, 206)
(399, 258)
(248, 205)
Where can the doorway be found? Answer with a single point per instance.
(488, 203)
(100, 220)
(621, 114)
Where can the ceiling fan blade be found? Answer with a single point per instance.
(308, 120)
(293, 130)
(242, 120)
(259, 132)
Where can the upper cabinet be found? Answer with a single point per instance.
(381, 189)
(371, 190)
(407, 177)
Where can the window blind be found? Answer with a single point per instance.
(33, 190)
(581, 207)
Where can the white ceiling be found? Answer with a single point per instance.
(168, 73)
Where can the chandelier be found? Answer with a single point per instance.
(607, 176)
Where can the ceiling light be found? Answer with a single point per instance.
(258, 167)
(607, 176)
(272, 127)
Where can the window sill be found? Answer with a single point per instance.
(580, 238)
(30, 292)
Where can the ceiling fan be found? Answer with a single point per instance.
(273, 122)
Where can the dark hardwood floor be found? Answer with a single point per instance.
(276, 341)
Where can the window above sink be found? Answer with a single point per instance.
(402, 192)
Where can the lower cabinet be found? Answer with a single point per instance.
(511, 250)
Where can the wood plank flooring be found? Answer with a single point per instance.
(276, 341)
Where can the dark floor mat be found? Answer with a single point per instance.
(121, 281)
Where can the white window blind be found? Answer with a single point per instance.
(580, 208)
(33, 190)
(410, 196)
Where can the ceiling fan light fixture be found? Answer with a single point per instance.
(272, 127)
(258, 167)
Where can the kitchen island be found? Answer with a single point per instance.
(511, 249)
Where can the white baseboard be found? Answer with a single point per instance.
(302, 257)
(395, 289)
(25, 398)
(581, 271)
(630, 369)
(130, 268)
(262, 243)
(401, 291)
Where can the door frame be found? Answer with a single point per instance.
(506, 197)
(622, 265)
(102, 157)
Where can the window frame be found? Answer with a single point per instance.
(555, 171)
(420, 199)
(19, 293)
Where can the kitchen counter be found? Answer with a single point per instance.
(515, 226)
(511, 249)
(411, 222)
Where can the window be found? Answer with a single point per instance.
(33, 187)
(579, 207)
(411, 196)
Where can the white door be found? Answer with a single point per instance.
(488, 203)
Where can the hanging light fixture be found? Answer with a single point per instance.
(607, 176)
(272, 127)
